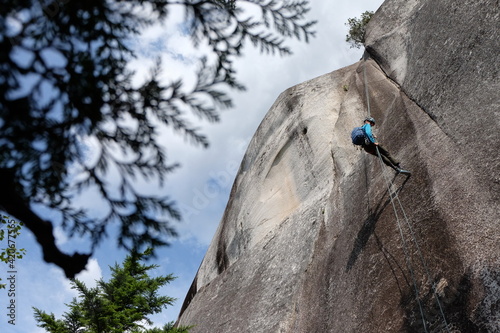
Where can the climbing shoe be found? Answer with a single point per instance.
(405, 172)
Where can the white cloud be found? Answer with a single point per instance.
(60, 235)
(91, 274)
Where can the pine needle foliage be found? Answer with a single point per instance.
(119, 305)
(65, 82)
(9, 231)
(357, 29)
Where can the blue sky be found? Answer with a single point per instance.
(201, 186)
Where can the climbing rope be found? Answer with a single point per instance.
(405, 247)
(426, 269)
(393, 197)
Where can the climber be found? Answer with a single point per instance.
(364, 137)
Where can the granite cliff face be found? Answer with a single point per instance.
(312, 242)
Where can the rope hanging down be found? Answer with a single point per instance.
(405, 247)
(366, 87)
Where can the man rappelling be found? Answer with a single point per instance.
(363, 136)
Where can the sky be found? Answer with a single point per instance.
(202, 184)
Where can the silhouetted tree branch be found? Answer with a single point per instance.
(65, 83)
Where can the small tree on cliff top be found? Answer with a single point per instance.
(120, 305)
(357, 29)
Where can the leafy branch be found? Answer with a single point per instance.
(357, 29)
(10, 229)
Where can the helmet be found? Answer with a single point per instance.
(370, 119)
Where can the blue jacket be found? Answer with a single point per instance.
(367, 128)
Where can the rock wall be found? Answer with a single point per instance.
(312, 242)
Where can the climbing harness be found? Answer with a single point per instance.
(395, 197)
